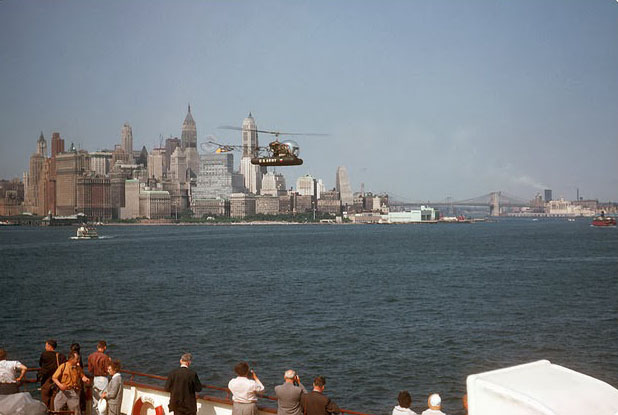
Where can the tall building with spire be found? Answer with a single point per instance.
(34, 186)
(188, 142)
(342, 185)
(189, 131)
(252, 173)
(249, 137)
(41, 146)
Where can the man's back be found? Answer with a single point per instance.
(316, 403)
(288, 396)
(49, 362)
(97, 363)
(183, 383)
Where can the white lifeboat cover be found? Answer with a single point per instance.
(539, 388)
(21, 404)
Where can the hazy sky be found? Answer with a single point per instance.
(422, 99)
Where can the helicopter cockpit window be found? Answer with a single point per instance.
(293, 147)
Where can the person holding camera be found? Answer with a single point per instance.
(289, 393)
(68, 378)
(245, 388)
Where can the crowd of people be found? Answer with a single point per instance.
(63, 379)
(63, 383)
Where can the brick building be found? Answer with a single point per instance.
(94, 197)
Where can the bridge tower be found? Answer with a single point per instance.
(494, 203)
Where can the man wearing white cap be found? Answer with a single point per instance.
(434, 402)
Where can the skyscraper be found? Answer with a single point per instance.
(100, 162)
(69, 167)
(249, 137)
(273, 184)
(188, 142)
(35, 179)
(342, 184)
(170, 146)
(157, 167)
(305, 185)
(217, 178)
(178, 165)
(189, 131)
(127, 139)
(57, 144)
(252, 173)
(42, 146)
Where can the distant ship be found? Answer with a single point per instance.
(86, 232)
(603, 220)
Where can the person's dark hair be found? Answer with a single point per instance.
(73, 353)
(75, 347)
(404, 398)
(116, 365)
(52, 343)
(242, 369)
(319, 381)
(102, 344)
(2, 354)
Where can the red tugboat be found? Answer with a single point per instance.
(603, 220)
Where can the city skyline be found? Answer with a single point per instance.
(420, 100)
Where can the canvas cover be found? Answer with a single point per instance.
(21, 404)
(539, 388)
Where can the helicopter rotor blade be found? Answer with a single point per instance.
(275, 133)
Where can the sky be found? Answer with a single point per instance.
(422, 99)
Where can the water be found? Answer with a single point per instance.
(375, 309)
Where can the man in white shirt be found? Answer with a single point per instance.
(8, 382)
(405, 400)
(245, 388)
(434, 402)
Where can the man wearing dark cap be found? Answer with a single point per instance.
(315, 402)
(182, 384)
(48, 362)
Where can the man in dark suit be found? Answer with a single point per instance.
(182, 384)
(315, 402)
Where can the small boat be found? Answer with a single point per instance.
(603, 220)
(86, 232)
(7, 223)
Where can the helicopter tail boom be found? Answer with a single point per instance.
(277, 161)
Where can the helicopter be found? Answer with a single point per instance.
(278, 153)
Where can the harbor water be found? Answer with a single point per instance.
(375, 309)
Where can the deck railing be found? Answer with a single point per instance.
(268, 401)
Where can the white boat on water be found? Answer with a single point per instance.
(537, 388)
(86, 232)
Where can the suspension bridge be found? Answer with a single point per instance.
(494, 200)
